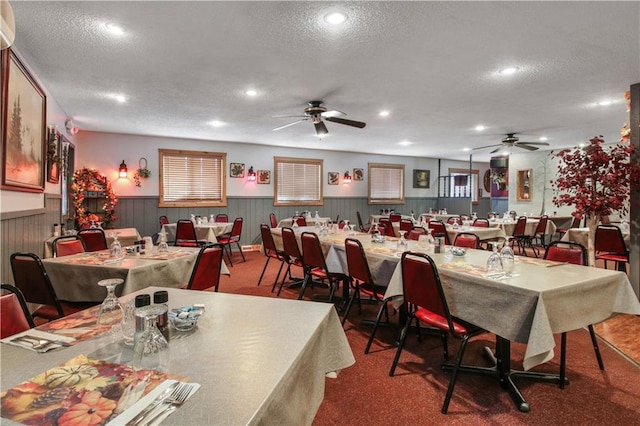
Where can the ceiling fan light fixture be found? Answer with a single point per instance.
(335, 18)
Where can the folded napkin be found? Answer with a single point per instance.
(15, 340)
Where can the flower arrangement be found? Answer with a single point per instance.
(596, 182)
(141, 173)
(89, 180)
(498, 177)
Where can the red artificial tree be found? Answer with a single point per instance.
(596, 182)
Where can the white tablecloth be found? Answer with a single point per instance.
(206, 232)
(288, 221)
(259, 360)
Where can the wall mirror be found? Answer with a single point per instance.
(524, 181)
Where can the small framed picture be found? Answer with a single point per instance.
(421, 178)
(358, 174)
(264, 177)
(333, 178)
(236, 170)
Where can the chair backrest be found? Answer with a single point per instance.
(451, 220)
(421, 285)
(467, 239)
(360, 224)
(300, 220)
(341, 224)
(415, 233)
(609, 239)
(163, 221)
(439, 230)
(93, 239)
(521, 227)
(575, 223)
(33, 281)
(357, 261)
(290, 244)
(268, 244)
(388, 227)
(222, 217)
(395, 217)
(236, 229)
(185, 232)
(571, 252)
(513, 214)
(206, 271)
(67, 245)
(481, 223)
(406, 225)
(312, 251)
(542, 225)
(273, 220)
(14, 314)
(464, 217)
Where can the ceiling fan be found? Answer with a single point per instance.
(511, 140)
(317, 114)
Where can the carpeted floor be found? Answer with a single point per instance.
(365, 394)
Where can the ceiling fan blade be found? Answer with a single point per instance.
(358, 124)
(333, 113)
(321, 129)
(496, 150)
(525, 146)
(289, 116)
(487, 146)
(290, 124)
(534, 143)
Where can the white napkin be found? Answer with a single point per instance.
(40, 335)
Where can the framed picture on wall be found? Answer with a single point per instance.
(333, 178)
(421, 178)
(236, 170)
(358, 174)
(264, 177)
(24, 137)
(54, 158)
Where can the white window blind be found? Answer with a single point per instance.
(191, 178)
(386, 183)
(298, 181)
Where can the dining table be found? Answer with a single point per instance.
(257, 360)
(581, 235)
(126, 236)
(508, 225)
(208, 232)
(75, 277)
(484, 233)
(288, 221)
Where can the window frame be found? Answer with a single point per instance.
(373, 201)
(222, 156)
(294, 160)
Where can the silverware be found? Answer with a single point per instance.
(141, 415)
(177, 398)
(38, 343)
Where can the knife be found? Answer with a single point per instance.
(141, 415)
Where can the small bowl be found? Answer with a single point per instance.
(457, 251)
(184, 319)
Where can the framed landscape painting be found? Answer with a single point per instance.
(24, 135)
(421, 178)
(54, 159)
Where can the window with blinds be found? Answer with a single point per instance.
(461, 186)
(192, 179)
(386, 183)
(298, 181)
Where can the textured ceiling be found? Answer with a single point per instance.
(433, 65)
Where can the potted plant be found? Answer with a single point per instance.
(596, 181)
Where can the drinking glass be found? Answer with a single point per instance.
(352, 230)
(115, 249)
(163, 247)
(494, 263)
(403, 244)
(111, 312)
(508, 258)
(151, 350)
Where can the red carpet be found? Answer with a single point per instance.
(365, 394)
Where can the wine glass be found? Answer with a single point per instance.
(115, 249)
(151, 350)
(403, 244)
(494, 263)
(163, 247)
(508, 258)
(111, 313)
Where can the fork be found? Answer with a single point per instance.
(175, 400)
(38, 343)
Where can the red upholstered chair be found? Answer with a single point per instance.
(610, 246)
(315, 266)
(300, 220)
(163, 221)
(32, 279)
(395, 217)
(467, 240)
(270, 252)
(427, 303)
(186, 235)
(233, 237)
(439, 230)
(362, 283)
(481, 223)
(15, 316)
(575, 253)
(451, 220)
(93, 239)
(415, 233)
(521, 238)
(540, 233)
(67, 245)
(364, 227)
(575, 223)
(222, 218)
(206, 271)
(406, 225)
(388, 227)
(292, 253)
(273, 220)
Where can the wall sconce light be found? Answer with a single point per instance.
(122, 172)
(251, 175)
(346, 178)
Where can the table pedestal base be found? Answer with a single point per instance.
(505, 375)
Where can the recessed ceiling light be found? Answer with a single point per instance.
(335, 18)
(605, 103)
(118, 97)
(480, 128)
(508, 70)
(466, 149)
(114, 28)
(383, 113)
(251, 92)
(505, 153)
(405, 143)
(216, 123)
(543, 138)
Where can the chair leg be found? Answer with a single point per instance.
(445, 344)
(275, 282)
(595, 347)
(284, 277)
(403, 337)
(228, 246)
(241, 253)
(307, 278)
(563, 358)
(375, 327)
(264, 269)
(454, 375)
(346, 312)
